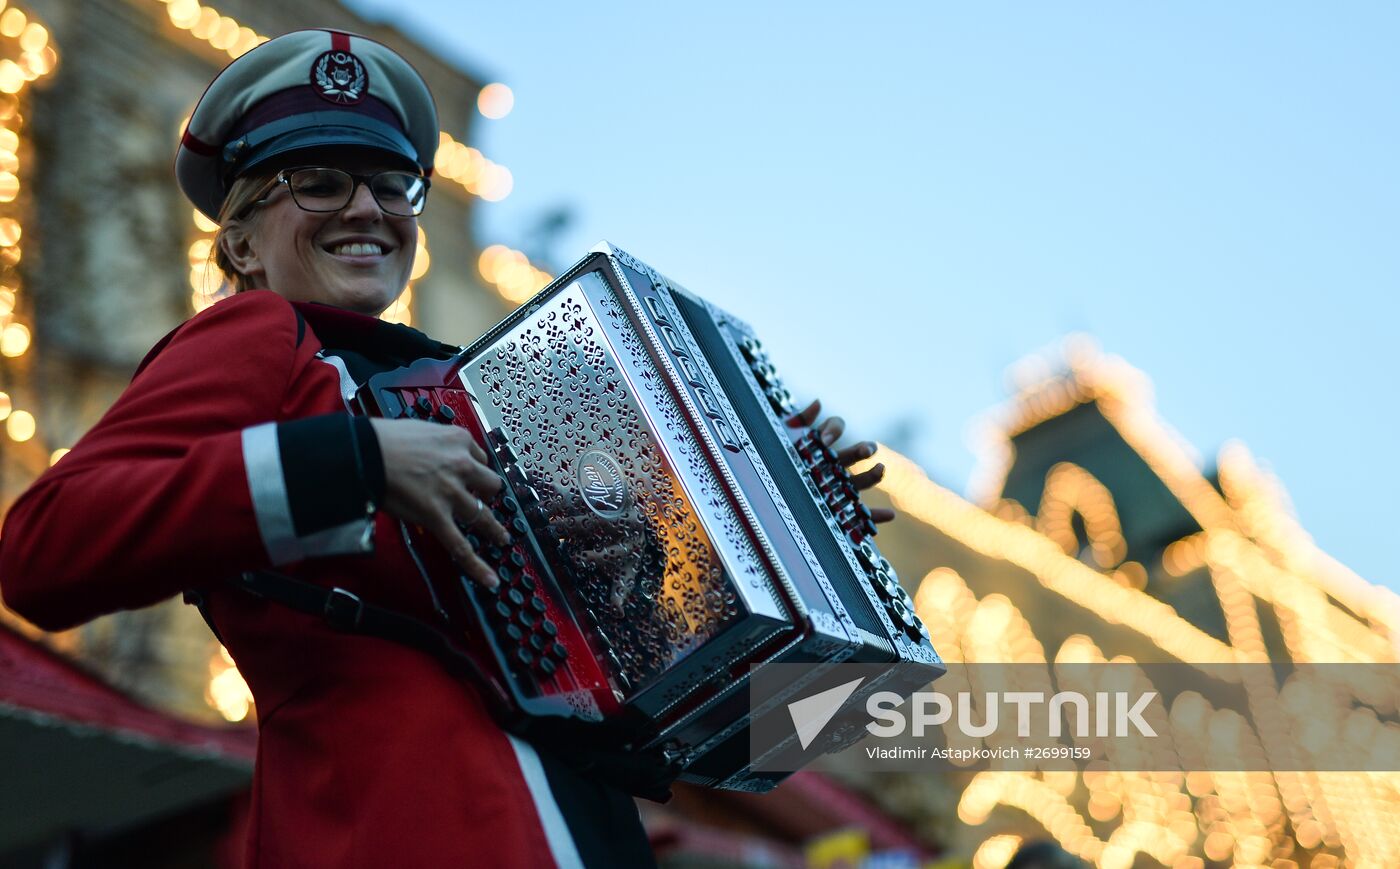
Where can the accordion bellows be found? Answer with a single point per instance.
(672, 532)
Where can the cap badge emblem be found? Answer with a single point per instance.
(340, 77)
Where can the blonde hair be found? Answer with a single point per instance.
(244, 192)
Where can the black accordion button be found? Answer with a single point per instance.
(538, 605)
(515, 597)
(516, 635)
(425, 407)
(549, 629)
(503, 610)
(445, 413)
(524, 656)
(505, 573)
(517, 558)
(559, 652)
(537, 642)
(519, 526)
(919, 631)
(509, 504)
(547, 667)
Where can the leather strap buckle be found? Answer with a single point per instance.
(344, 611)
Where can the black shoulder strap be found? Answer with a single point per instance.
(346, 611)
(636, 772)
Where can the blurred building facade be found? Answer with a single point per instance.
(1095, 534)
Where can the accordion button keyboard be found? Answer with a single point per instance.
(900, 612)
(781, 400)
(886, 584)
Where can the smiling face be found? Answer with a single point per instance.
(357, 258)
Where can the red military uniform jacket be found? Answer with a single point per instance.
(232, 451)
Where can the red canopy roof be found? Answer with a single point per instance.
(83, 756)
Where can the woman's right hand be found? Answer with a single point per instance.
(437, 476)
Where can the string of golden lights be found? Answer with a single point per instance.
(30, 57)
(511, 273)
(1070, 490)
(1240, 815)
(915, 495)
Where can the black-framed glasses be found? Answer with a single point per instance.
(323, 189)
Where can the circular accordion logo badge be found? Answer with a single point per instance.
(340, 77)
(601, 482)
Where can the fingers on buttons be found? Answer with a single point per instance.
(866, 479)
(832, 430)
(857, 453)
(807, 415)
(467, 559)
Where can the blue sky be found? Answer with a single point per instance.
(904, 199)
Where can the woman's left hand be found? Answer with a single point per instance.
(830, 431)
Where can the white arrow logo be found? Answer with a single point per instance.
(811, 714)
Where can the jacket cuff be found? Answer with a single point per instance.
(314, 483)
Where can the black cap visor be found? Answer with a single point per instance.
(321, 133)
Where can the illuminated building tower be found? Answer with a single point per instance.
(1100, 538)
